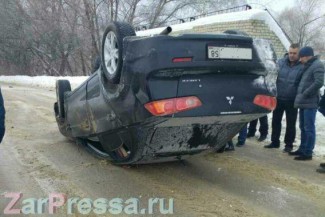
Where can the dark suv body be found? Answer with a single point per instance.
(173, 96)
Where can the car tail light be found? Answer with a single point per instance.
(171, 106)
(182, 59)
(267, 102)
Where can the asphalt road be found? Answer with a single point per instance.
(36, 160)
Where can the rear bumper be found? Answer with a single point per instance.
(164, 143)
(209, 120)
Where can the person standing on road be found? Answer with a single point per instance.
(264, 128)
(307, 100)
(289, 73)
(2, 117)
(242, 134)
(229, 146)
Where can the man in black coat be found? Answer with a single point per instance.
(2, 118)
(307, 100)
(289, 74)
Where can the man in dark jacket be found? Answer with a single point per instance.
(289, 73)
(2, 117)
(307, 101)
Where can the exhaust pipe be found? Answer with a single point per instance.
(166, 31)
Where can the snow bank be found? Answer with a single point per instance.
(253, 14)
(41, 81)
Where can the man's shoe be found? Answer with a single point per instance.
(295, 153)
(272, 145)
(321, 170)
(250, 135)
(240, 144)
(230, 143)
(304, 157)
(230, 148)
(322, 165)
(262, 138)
(287, 150)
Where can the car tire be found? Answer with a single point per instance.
(62, 86)
(112, 49)
(235, 32)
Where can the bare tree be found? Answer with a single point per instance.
(206, 6)
(62, 37)
(155, 13)
(14, 52)
(158, 13)
(305, 22)
(129, 9)
(90, 12)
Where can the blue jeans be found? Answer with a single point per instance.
(242, 134)
(307, 118)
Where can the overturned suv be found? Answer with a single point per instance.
(161, 98)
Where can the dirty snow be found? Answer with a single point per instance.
(253, 14)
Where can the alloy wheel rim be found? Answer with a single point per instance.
(111, 51)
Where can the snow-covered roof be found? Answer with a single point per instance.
(253, 14)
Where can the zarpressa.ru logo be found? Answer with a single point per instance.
(84, 206)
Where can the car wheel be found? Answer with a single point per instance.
(112, 49)
(62, 86)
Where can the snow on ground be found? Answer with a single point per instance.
(41, 81)
(320, 134)
(253, 14)
(49, 82)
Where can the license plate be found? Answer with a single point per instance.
(229, 53)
